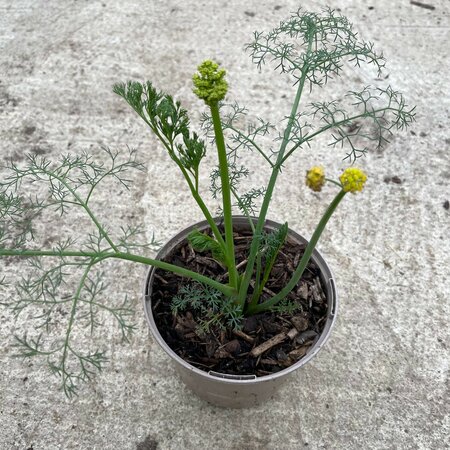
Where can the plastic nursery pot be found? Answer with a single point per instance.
(239, 391)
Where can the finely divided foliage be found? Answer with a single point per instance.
(314, 46)
(65, 288)
(46, 291)
(169, 121)
(216, 311)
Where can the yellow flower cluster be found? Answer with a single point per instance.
(315, 178)
(353, 179)
(210, 84)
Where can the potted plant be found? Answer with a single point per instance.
(238, 302)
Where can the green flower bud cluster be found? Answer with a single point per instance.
(210, 84)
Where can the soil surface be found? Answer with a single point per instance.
(267, 342)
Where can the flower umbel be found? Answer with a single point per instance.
(353, 179)
(315, 178)
(210, 84)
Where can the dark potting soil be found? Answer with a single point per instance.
(267, 342)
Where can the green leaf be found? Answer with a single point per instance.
(201, 242)
(192, 152)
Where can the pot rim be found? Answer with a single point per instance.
(332, 299)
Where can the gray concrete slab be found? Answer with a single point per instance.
(382, 380)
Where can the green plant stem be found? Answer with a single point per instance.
(256, 289)
(204, 209)
(226, 195)
(266, 275)
(227, 290)
(68, 253)
(334, 182)
(253, 309)
(193, 188)
(270, 188)
(71, 320)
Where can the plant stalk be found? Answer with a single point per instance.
(227, 290)
(226, 195)
(270, 188)
(253, 309)
(193, 188)
(71, 321)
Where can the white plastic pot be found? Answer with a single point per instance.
(246, 390)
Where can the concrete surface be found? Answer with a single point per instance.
(382, 380)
